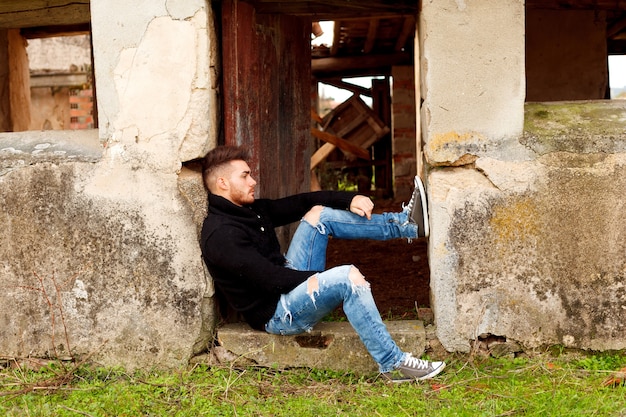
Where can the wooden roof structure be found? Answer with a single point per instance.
(365, 47)
(372, 35)
(378, 32)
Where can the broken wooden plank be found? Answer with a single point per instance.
(321, 154)
(342, 144)
(316, 117)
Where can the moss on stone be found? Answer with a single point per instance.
(590, 117)
(578, 127)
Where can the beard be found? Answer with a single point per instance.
(243, 198)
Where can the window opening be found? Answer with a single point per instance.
(617, 76)
(61, 83)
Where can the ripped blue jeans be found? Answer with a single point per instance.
(306, 305)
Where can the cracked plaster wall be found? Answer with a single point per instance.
(156, 77)
(101, 227)
(527, 233)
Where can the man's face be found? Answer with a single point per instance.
(240, 184)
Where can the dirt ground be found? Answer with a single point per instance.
(397, 270)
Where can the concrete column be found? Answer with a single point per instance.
(473, 80)
(472, 87)
(527, 232)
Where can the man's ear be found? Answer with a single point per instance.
(222, 183)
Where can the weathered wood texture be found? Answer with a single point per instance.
(5, 104)
(266, 64)
(382, 150)
(331, 9)
(19, 81)
(31, 13)
(577, 4)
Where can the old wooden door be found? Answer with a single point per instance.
(266, 94)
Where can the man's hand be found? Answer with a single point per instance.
(362, 206)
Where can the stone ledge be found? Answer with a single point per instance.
(333, 346)
(50, 146)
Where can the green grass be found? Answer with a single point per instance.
(542, 385)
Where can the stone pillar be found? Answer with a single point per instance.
(473, 79)
(472, 87)
(526, 200)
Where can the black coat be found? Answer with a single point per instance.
(241, 250)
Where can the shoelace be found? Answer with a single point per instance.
(409, 206)
(416, 363)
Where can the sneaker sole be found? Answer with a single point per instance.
(418, 183)
(401, 380)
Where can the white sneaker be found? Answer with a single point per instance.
(414, 369)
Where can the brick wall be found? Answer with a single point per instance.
(81, 109)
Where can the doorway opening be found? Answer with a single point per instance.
(271, 76)
(345, 82)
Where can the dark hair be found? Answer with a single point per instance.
(219, 156)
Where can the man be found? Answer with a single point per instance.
(290, 294)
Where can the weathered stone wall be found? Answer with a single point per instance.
(60, 53)
(158, 75)
(99, 253)
(527, 232)
(533, 250)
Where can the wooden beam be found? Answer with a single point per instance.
(336, 38)
(321, 154)
(54, 31)
(316, 117)
(19, 80)
(21, 14)
(370, 40)
(616, 47)
(408, 29)
(5, 100)
(75, 79)
(339, 64)
(334, 9)
(577, 4)
(376, 16)
(356, 89)
(616, 28)
(342, 144)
